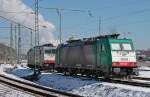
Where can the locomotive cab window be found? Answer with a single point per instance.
(47, 51)
(115, 46)
(126, 46)
(53, 51)
(121, 46)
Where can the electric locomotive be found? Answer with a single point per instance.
(45, 55)
(105, 55)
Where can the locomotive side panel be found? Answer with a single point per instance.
(31, 57)
(97, 56)
(77, 56)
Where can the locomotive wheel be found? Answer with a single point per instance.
(106, 75)
(83, 72)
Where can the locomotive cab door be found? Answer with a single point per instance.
(102, 58)
(98, 55)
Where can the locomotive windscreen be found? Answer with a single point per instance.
(50, 51)
(121, 46)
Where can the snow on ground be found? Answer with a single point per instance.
(141, 81)
(144, 74)
(6, 91)
(15, 71)
(144, 71)
(60, 82)
(144, 68)
(91, 88)
(22, 72)
(86, 87)
(102, 90)
(6, 67)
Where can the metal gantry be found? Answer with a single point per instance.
(11, 35)
(19, 45)
(11, 44)
(99, 24)
(15, 38)
(60, 25)
(37, 39)
(59, 12)
(31, 39)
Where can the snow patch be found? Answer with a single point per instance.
(6, 67)
(101, 90)
(144, 74)
(22, 72)
(60, 82)
(144, 68)
(89, 88)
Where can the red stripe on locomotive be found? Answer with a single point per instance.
(49, 61)
(124, 64)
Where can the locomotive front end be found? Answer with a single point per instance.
(123, 57)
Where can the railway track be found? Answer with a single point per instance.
(34, 88)
(131, 82)
(127, 82)
(142, 78)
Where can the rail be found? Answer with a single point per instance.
(127, 82)
(34, 88)
(142, 78)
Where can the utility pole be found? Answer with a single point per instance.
(15, 38)
(11, 35)
(16, 56)
(99, 26)
(31, 39)
(19, 44)
(37, 49)
(60, 25)
(37, 21)
(59, 12)
(11, 44)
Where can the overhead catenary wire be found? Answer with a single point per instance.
(125, 24)
(16, 22)
(59, 12)
(11, 18)
(3, 21)
(17, 12)
(23, 26)
(110, 18)
(65, 9)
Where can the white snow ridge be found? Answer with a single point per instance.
(85, 87)
(100, 90)
(91, 88)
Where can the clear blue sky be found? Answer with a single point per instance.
(122, 16)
